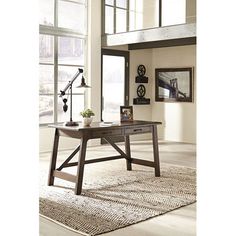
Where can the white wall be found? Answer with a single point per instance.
(179, 118)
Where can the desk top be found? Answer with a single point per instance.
(99, 125)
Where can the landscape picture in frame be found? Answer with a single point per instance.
(174, 84)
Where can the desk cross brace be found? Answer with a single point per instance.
(123, 155)
(66, 162)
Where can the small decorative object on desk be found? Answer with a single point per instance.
(108, 123)
(126, 113)
(87, 115)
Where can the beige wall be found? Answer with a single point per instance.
(150, 14)
(190, 11)
(141, 112)
(137, 57)
(179, 119)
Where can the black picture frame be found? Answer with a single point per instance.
(126, 113)
(174, 84)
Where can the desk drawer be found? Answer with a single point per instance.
(138, 130)
(104, 133)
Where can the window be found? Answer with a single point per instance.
(173, 12)
(128, 15)
(135, 15)
(62, 47)
(46, 12)
(115, 16)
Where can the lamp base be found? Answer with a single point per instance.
(71, 123)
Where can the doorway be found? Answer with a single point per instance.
(115, 84)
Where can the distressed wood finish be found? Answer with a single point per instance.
(53, 161)
(64, 175)
(116, 147)
(128, 153)
(155, 151)
(96, 131)
(80, 169)
(164, 43)
(142, 162)
(103, 159)
(66, 162)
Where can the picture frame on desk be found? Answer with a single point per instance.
(126, 113)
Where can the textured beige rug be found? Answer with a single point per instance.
(117, 198)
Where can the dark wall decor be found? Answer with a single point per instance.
(174, 84)
(141, 100)
(141, 90)
(141, 78)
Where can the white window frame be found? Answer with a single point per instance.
(114, 16)
(63, 32)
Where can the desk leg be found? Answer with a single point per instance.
(80, 168)
(155, 150)
(127, 151)
(53, 158)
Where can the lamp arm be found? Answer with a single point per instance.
(62, 92)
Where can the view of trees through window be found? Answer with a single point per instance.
(61, 52)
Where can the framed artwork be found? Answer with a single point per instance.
(126, 113)
(174, 84)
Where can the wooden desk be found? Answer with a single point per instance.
(96, 131)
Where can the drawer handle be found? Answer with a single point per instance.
(136, 130)
(107, 132)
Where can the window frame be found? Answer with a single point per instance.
(56, 32)
(114, 16)
(127, 17)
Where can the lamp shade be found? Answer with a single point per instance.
(83, 84)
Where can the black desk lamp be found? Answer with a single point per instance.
(63, 92)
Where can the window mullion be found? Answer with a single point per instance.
(127, 16)
(56, 13)
(114, 17)
(160, 13)
(55, 62)
(103, 18)
(59, 31)
(55, 77)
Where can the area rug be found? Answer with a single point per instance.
(118, 198)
